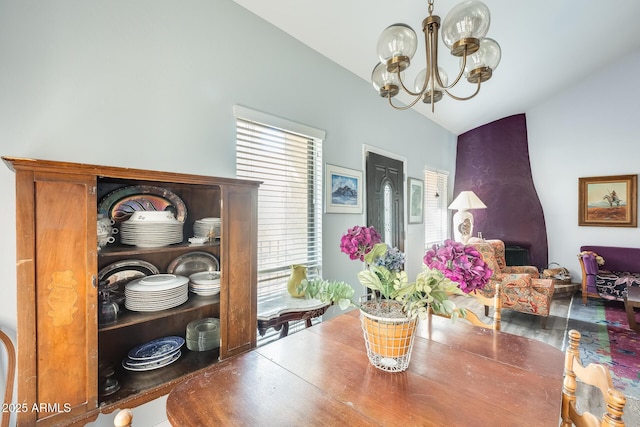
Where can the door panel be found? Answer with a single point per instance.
(385, 198)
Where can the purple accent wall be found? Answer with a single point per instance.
(493, 161)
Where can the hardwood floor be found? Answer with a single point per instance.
(528, 325)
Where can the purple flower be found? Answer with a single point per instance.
(358, 241)
(460, 264)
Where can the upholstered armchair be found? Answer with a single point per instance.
(521, 287)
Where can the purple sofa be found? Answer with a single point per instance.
(621, 268)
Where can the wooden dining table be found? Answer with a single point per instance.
(459, 375)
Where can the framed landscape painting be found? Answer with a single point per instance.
(416, 191)
(608, 201)
(343, 190)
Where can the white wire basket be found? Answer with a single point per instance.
(389, 341)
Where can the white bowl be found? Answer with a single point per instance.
(210, 220)
(205, 278)
(196, 240)
(152, 216)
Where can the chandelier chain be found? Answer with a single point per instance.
(430, 7)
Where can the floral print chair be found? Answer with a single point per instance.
(522, 289)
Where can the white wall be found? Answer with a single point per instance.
(591, 129)
(151, 85)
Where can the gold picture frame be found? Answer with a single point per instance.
(608, 201)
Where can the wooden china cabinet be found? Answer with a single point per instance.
(60, 342)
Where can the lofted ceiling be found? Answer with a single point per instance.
(547, 45)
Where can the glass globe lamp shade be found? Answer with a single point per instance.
(488, 55)
(481, 64)
(422, 76)
(397, 42)
(470, 19)
(430, 94)
(384, 82)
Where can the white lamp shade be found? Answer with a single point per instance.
(467, 200)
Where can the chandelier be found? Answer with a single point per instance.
(463, 33)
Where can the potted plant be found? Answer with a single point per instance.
(389, 318)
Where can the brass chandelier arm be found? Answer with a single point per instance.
(418, 96)
(406, 107)
(460, 73)
(405, 88)
(431, 47)
(457, 98)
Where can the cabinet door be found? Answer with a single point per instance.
(238, 301)
(57, 298)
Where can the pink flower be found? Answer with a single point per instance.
(358, 241)
(460, 264)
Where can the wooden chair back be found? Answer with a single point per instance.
(596, 375)
(474, 319)
(11, 371)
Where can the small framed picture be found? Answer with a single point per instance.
(343, 190)
(608, 201)
(415, 190)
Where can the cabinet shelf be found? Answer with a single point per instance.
(120, 251)
(132, 383)
(128, 318)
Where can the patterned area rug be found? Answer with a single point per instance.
(607, 339)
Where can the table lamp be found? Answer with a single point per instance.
(463, 219)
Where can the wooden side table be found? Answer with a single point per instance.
(631, 301)
(278, 311)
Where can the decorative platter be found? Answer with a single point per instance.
(118, 274)
(193, 262)
(126, 363)
(121, 203)
(163, 358)
(156, 349)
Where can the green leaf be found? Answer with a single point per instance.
(369, 279)
(378, 250)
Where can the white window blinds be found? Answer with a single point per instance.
(289, 164)
(436, 215)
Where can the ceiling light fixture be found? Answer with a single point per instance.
(463, 32)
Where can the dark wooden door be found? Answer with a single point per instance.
(385, 198)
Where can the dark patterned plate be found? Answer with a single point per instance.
(121, 203)
(115, 276)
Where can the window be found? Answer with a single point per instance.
(287, 158)
(436, 215)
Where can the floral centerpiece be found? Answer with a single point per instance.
(449, 269)
(389, 319)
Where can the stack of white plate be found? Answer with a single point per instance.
(207, 227)
(205, 283)
(151, 229)
(154, 354)
(203, 334)
(156, 292)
